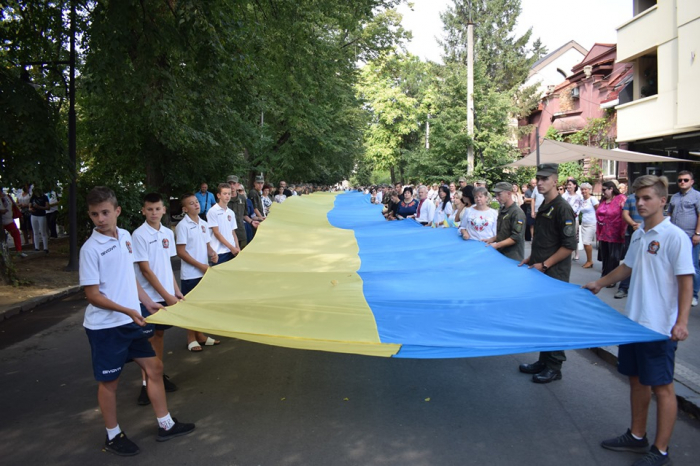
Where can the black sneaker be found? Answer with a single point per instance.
(626, 442)
(653, 458)
(169, 386)
(122, 446)
(143, 397)
(179, 429)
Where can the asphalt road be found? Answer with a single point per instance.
(262, 405)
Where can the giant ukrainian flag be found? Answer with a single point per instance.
(327, 272)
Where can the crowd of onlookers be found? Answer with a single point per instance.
(606, 220)
(31, 211)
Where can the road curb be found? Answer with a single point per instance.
(7, 312)
(688, 396)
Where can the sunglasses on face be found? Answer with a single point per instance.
(683, 180)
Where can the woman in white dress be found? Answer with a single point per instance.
(588, 223)
(480, 220)
(444, 207)
(575, 200)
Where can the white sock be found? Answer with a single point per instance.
(166, 422)
(663, 452)
(111, 433)
(144, 383)
(635, 437)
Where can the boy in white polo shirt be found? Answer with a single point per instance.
(222, 222)
(661, 290)
(194, 248)
(114, 324)
(154, 245)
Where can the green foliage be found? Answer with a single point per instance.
(507, 58)
(32, 95)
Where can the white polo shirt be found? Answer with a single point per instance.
(109, 263)
(656, 257)
(195, 236)
(225, 220)
(155, 247)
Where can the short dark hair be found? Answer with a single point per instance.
(223, 186)
(100, 194)
(152, 198)
(686, 172)
(185, 196)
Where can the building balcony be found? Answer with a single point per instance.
(646, 31)
(647, 118)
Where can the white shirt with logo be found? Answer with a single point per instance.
(195, 236)
(656, 257)
(109, 263)
(155, 247)
(225, 220)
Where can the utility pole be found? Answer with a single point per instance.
(470, 95)
(427, 132)
(73, 189)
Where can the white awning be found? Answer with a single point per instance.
(561, 152)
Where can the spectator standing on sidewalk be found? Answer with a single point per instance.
(551, 254)
(684, 210)
(661, 288)
(38, 205)
(52, 214)
(633, 220)
(8, 223)
(588, 223)
(206, 200)
(611, 228)
(25, 222)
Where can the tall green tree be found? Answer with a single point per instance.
(502, 62)
(392, 88)
(33, 92)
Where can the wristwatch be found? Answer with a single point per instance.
(697, 233)
(544, 267)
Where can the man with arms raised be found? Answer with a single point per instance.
(661, 289)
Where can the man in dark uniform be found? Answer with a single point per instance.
(255, 196)
(551, 253)
(510, 228)
(238, 205)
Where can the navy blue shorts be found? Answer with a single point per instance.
(148, 329)
(223, 258)
(113, 347)
(188, 285)
(653, 362)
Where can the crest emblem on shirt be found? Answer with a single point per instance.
(204, 230)
(229, 217)
(166, 243)
(653, 247)
(128, 246)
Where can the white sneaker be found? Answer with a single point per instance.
(695, 302)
